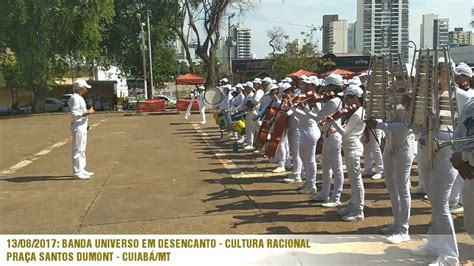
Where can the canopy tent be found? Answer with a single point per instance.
(190, 79)
(344, 73)
(300, 73)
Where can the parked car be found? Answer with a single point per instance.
(170, 102)
(4, 110)
(55, 105)
(66, 97)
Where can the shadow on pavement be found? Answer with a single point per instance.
(26, 179)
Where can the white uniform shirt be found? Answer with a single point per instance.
(257, 97)
(237, 101)
(78, 108)
(398, 133)
(305, 117)
(327, 109)
(465, 128)
(247, 98)
(352, 129)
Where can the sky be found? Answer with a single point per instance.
(294, 16)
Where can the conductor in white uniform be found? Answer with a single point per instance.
(79, 124)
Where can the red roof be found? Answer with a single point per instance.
(190, 79)
(300, 73)
(342, 72)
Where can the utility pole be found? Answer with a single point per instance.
(139, 16)
(148, 13)
(229, 48)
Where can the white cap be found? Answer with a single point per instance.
(225, 80)
(285, 86)
(267, 80)
(303, 77)
(312, 80)
(248, 84)
(333, 79)
(271, 87)
(257, 81)
(80, 83)
(201, 87)
(354, 81)
(463, 69)
(274, 81)
(354, 90)
(287, 79)
(233, 89)
(239, 86)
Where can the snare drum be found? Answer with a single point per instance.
(239, 127)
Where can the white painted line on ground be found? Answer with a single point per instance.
(229, 165)
(37, 155)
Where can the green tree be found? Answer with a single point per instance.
(298, 54)
(48, 36)
(123, 43)
(205, 20)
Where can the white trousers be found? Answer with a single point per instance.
(79, 142)
(282, 151)
(439, 182)
(422, 173)
(373, 153)
(294, 141)
(456, 195)
(352, 153)
(397, 168)
(250, 127)
(202, 111)
(468, 205)
(332, 165)
(309, 138)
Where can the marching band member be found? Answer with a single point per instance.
(351, 129)
(282, 153)
(294, 141)
(463, 92)
(331, 152)
(251, 104)
(200, 101)
(463, 161)
(440, 176)
(249, 124)
(309, 135)
(199, 97)
(398, 157)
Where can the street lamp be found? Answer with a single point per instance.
(139, 17)
(229, 47)
(148, 12)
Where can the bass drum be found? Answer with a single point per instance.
(212, 98)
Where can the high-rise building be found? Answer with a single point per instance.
(351, 37)
(459, 37)
(337, 36)
(382, 26)
(243, 45)
(326, 41)
(434, 32)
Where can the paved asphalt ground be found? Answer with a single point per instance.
(160, 174)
